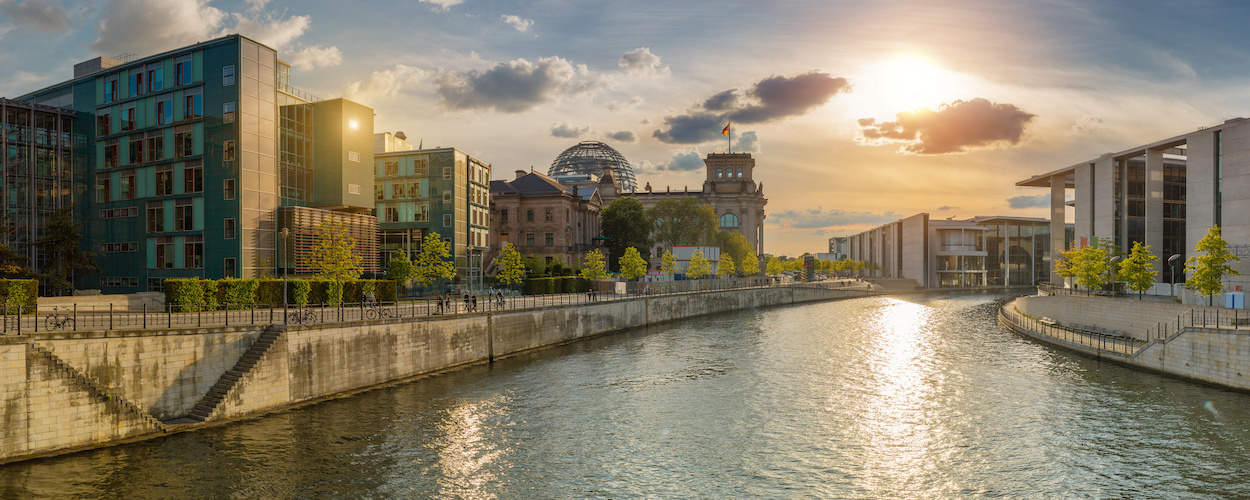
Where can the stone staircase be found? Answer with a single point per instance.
(204, 409)
(89, 385)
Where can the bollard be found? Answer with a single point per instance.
(75, 316)
(145, 315)
(110, 316)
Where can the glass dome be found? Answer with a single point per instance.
(590, 157)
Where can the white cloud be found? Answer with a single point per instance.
(39, 15)
(442, 5)
(623, 104)
(641, 61)
(315, 56)
(521, 24)
(149, 26)
(268, 29)
(385, 83)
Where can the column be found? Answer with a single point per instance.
(1058, 186)
(1154, 202)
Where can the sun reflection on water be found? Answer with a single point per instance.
(465, 452)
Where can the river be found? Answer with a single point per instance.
(872, 397)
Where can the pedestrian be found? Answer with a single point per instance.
(466, 301)
(474, 302)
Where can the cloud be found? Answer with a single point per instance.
(622, 136)
(148, 26)
(442, 5)
(521, 24)
(683, 162)
(568, 131)
(271, 30)
(641, 61)
(314, 56)
(39, 15)
(953, 128)
(1035, 201)
(945, 208)
(385, 83)
(818, 218)
(747, 142)
(516, 85)
(772, 98)
(630, 103)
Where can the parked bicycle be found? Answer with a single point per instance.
(302, 316)
(58, 320)
(375, 311)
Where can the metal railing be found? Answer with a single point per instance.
(1196, 317)
(1103, 342)
(70, 319)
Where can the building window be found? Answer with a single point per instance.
(193, 178)
(156, 217)
(392, 214)
(184, 215)
(193, 104)
(128, 186)
(183, 143)
(112, 156)
(719, 173)
(446, 220)
(182, 70)
(156, 77)
(136, 84)
(110, 89)
(547, 214)
(391, 167)
(379, 191)
(103, 126)
(739, 173)
(529, 215)
(446, 172)
(164, 253)
(418, 167)
(447, 196)
(353, 156)
(227, 75)
(156, 146)
(193, 252)
(227, 112)
(503, 215)
(156, 284)
(227, 189)
(227, 151)
(136, 149)
(228, 229)
(102, 188)
(228, 264)
(128, 118)
(164, 181)
(529, 239)
(549, 239)
(397, 191)
(729, 220)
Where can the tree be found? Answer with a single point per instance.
(726, 266)
(625, 224)
(66, 259)
(334, 254)
(750, 265)
(1065, 267)
(13, 265)
(434, 260)
(400, 268)
(668, 264)
(734, 244)
(632, 264)
(1138, 270)
(684, 221)
(534, 266)
(1092, 266)
(511, 266)
(699, 266)
(773, 267)
(1207, 271)
(592, 266)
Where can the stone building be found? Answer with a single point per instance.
(543, 217)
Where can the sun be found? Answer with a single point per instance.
(906, 82)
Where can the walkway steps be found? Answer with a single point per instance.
(207, 404)
(88, 384)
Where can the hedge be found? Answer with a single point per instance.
(187, 293)
(556, 284)
(19, 291)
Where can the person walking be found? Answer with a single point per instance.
(474, 306)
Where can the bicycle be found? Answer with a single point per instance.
(302, 316)
(378, 312)
(57, 320)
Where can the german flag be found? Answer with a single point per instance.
(725, 131)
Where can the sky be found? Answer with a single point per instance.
(858, 113)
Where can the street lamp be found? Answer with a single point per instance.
(285, 233)
(1172, 263)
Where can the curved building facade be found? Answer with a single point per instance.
(592, 157)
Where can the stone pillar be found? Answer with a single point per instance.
(1058, 187)
(1154, 202)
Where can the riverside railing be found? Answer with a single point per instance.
(1196, 317)
(1118, 344)
(95, 318)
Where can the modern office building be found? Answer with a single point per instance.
(39, 149)
(949, 253)
(544, 217)
(304, 228)
(838, 247)
(440, 190)
(1166, 194)
(187, 159)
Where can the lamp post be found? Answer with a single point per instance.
(284, 234)
(1172, 263)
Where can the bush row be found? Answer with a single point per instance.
(557, 284)
(239, 293)
(19, 291)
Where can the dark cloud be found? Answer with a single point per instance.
(622, 136)
(944, 208)
(683, 162)
(39, 15)
(747, 142)
(1036, 201)
(568, 131)
(818, 218)
(769, 99)
(952, 128)
(514, 86)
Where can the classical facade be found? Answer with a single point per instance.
(544, 217)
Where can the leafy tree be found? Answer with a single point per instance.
(774, 266)
(65, 258)
(534, 266)
(632, 264)
(1065, 266)
(511, 266)
(684, 221)
(334, 254)
(13, 265)
(1207, 271)
(699, 266)
(1092, 266)
(625, 224)
(592, 266)
(668, 264)
(726, 266)
(434, 261)
(750, 265)
(400, 268)
(1138, 270)
(734, 244)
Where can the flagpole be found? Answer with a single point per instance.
(730, 126)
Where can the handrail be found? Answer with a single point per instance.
(1116, 344)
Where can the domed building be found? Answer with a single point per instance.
(592, 157)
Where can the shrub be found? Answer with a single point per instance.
(237, 293)
(24, 292)
(269, 292)
(334, 292)
(183, 293)
(209, 293)
(387, 290)
(301, 292)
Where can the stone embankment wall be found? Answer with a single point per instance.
(71, 390)
(1216, 356)
(1124, 315)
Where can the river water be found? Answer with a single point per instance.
(872, 397)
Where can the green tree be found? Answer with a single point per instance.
(511, 266)
(592, 266)
(773, 266)
(534, 266)
(400, 268)
(66, 259)
(734, 244)
(726, 266)
(668, 264)
(1093, 267)
(13, 265)
(434, 260)
(334, 254)
(1138, 270)
(1207, 271)
(1065, 267)
(632, 264)
(624, 224)
(684, 221)
(750, 265)
(699, 266)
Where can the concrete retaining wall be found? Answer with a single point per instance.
(165, 374)
(1124, 315)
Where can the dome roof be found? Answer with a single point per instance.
(591, 157)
